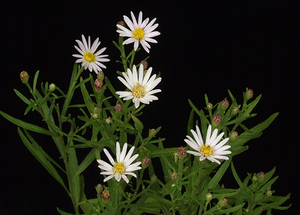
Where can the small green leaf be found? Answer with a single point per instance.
(35, 82)
(22, 97)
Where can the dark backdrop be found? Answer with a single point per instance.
(205, 47)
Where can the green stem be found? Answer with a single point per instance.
(132, 58)
(123, 55)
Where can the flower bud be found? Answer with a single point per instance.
(181, 152)
(152, 132)
(52, 87)
(249, 94)
(223, 202)
(105, 195)
(24, 77)
(145, 162)
(118, 108)
(153, 178)
(98, 84)
(176, 157)
(260, 177)
(94, 115)
(209, 197)
(99, 188)
(269, 193)
(234, 111)
(209, 106)
(122, 23)
(108, 120)
(233, 135)
(216, 120)
(144, 63)
(96, 109)
(254, 178)
(224, 104)
(174, 175)
(100, 75)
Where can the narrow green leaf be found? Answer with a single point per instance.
(73, 168)
(217, 177)
(86, 97)
(235, 175)
(35, 82)
(229, 210)
(138, 124)
(41, 158)
(63, 212)
(22, 97)
(85, 163)
(194, 107)
(37, 146)
(26, 125)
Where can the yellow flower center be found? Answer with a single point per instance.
(206, 151)
(138, 91)
(138, 34)
(119, 168)
(89, 57)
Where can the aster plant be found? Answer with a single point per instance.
(148, 177)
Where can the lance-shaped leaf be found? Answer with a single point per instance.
(217, 177)
(26, 125)
(40, 156)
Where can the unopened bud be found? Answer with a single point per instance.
(152, 132)
(174, 175)
(176, 157)
(269, 193)
(118, 108)
(99, 188)
(98, 84)
(216, 120)
(105, 195)
(234, 111)
(223, 202)
(153, 178)
(144, 63)
(254, 178)
(145, 162)
(96, 109)
(260, 177)
(24, 77)
(122, 23)
(209, 106)
(225, 104)
(249, 94)
(52, 87)
(181, 152)
(94, 115)
(100, 75)
(233, 135)
(108, 120)
(209, 197)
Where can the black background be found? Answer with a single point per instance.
(205, 47)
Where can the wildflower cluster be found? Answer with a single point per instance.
(138, 173)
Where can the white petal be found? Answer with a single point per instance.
(123, 153)
(109, 156)
(125, 178)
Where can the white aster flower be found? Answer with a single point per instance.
(141, 88)
(122, 167)
(212, 149)
(139, 31)
(88, 57)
